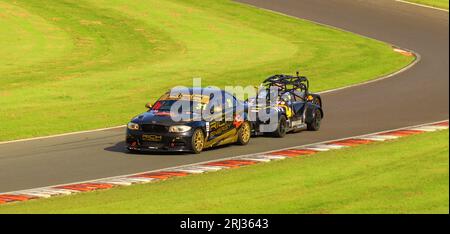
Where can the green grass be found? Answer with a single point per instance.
(434, 3)
(410, 175)
(75, 65)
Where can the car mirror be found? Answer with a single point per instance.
(148, 105)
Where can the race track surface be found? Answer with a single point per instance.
(416, 96)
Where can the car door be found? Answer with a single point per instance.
(214, 123)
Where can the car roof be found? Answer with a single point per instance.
(197, 90)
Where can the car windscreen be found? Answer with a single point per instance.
(166, 105)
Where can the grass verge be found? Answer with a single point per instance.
(434, 3)
(409, 175)
(75, 65)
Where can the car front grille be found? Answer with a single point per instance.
(154, 128)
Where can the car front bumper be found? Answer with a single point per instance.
(158, 142)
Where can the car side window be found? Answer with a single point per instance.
(229, 102)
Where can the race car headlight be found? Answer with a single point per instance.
(133, 126)
(180, 128)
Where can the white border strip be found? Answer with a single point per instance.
(422, 5)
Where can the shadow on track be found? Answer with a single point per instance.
(120, 147)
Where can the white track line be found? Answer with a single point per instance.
(422, 5)
(61, 135)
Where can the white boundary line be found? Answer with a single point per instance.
(422, 5)
(222, 159)
(416, 60)
(60, 135)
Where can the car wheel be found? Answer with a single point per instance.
(282, 127)
(317, 102)
(244, 134)
(197, 141)
(315, 123)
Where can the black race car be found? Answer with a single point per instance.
(288, 101)
(167, 127)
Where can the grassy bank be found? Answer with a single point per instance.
(410, 175)
(76, 65)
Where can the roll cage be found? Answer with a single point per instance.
(297, 86)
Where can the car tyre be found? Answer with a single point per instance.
(244, 134)
(315, 123)
(317, 102)
(282, 127)
(197, 141)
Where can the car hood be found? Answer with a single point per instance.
(161, 118)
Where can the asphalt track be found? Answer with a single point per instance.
(418, 95)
